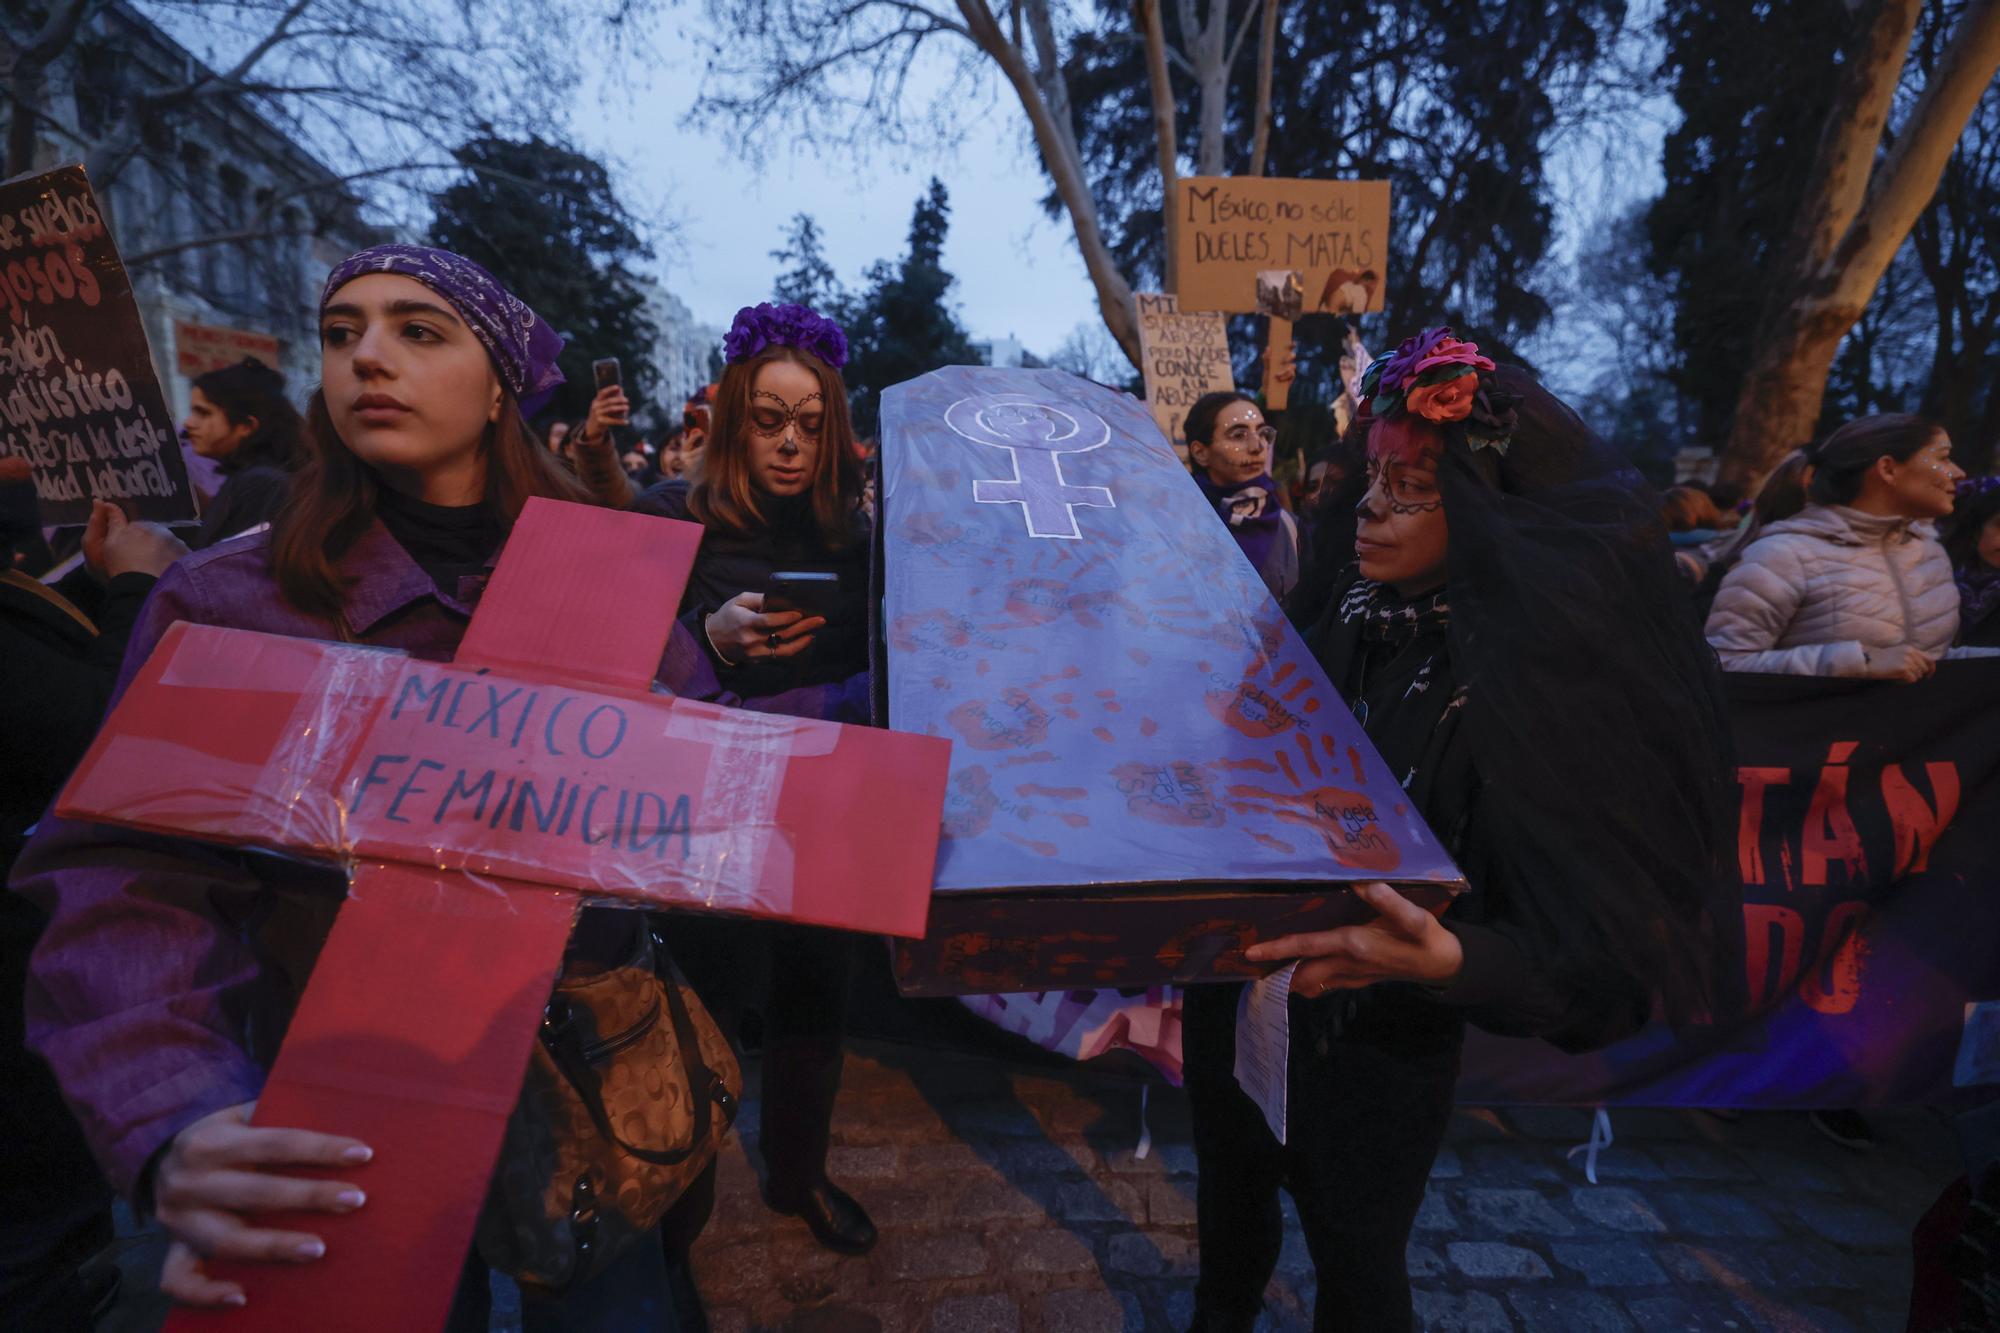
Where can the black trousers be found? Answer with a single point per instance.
(55, 1207)
(1371, 1084)
(797, 977)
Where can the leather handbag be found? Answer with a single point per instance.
(631, 1089)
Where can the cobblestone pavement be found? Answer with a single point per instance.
(1011, 1198)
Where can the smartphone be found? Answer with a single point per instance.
(808, 592)
(605, 372)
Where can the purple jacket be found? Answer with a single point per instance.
(165, 961)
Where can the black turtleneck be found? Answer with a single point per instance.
(448, 542)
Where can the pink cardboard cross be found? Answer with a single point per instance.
(481, 801)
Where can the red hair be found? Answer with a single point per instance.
(726, 497)
(1404, 438)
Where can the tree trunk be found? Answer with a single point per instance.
(1055, 137)
(1852, 219)
(1267, 48)
(1153, 26)
(1208, 51)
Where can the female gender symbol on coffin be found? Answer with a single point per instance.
(1035, 435)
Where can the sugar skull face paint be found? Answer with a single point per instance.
(1402, 537)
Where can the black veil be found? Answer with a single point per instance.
(1594, 707)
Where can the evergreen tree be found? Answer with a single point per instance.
(808, 279)
(902, 325)
(545, 221)
(1735, 168)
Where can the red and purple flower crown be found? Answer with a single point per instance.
(759, 326)
(1441, 378)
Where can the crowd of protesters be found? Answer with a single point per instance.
(1467, 532)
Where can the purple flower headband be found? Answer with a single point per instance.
(521, 343)
(1441, 378)
(759, 326)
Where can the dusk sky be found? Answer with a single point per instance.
(1018, 272)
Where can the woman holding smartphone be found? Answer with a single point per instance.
(779, 493)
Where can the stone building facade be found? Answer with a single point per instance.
(223, 221)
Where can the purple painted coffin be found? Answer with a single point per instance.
(1149, 770)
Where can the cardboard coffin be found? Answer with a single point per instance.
(1149, 771)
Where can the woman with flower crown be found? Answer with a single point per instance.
(779, 491)
(1519, 648)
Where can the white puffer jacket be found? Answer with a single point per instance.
(1815, 591)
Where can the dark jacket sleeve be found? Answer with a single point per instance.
(135, 988)
(686, 670)
(53, 695)
(1517, 982)
(245, 500)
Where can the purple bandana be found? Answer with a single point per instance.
(759, 326)
(523, 346)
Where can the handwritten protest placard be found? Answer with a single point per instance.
(1184, 356)
(78, 397)
(1334, 234)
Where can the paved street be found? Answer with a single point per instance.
(1010, 1197)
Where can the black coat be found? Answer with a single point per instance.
(730, 563)
(55, 681)
(1512, 982)
(249, 497)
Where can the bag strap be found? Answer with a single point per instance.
(704, 1085)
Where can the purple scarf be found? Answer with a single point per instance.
(520, 342)
(1251, 510)
(1978, 592)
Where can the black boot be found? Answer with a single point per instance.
(836, 1219)
(801, 1077)
(690, 1315)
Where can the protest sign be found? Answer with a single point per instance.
(200, 348)
(78, 397)
(1867, 841)
(1149, 770)
(1184, 357)
(480, 801)
(1333, 234)
(1866, 823)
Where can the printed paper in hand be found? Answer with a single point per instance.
(1264, 1045)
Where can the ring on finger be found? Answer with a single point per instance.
(772, 640)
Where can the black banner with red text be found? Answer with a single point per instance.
(1867, 840)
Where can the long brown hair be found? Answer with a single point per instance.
(332, 501)
(727, 497)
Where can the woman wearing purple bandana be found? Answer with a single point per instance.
(1231, 448)
(418, 460)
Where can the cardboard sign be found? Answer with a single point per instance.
(1184, 356)
(200, 348)
(78, 396)
(1334, 234)
(498, 765)
(477, 795)
(1132, 718)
